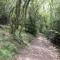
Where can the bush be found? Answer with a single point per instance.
(31, 26)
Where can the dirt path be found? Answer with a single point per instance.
(39, 49)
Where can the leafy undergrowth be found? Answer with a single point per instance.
(9, 47)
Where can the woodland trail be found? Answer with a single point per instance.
(39, 49)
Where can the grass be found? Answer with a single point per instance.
(9, 47)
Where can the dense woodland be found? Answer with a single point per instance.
(22, 20)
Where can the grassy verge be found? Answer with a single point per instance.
(9, 47)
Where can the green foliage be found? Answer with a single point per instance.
(27, 18)
(31, 26)
(9, 47)
(2, 7)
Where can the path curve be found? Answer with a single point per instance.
(39, 49)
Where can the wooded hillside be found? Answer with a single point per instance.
(22, 20)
